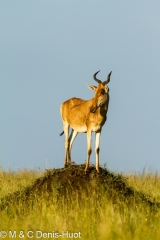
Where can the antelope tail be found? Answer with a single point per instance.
(61, 133)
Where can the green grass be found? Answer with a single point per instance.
(14, 181)
(93, 214)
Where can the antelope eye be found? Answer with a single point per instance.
(102, 92)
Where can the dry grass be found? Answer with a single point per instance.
(14, 181)
(94, 213)
(146, 182)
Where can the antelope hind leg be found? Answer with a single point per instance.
(89, 150)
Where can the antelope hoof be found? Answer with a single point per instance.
(86, 170)
(97, 169)
(65, 164)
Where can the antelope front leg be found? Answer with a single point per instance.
(97, 149)
(89, 149)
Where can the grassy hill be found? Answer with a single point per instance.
(73, 204)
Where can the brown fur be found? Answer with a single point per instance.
(85, 116)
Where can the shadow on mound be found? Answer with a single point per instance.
(72, 181)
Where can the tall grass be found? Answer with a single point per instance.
(11, 181)
(146, 182)
(92, 214)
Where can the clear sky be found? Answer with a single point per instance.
(49, 50)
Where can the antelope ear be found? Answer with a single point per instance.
(91, 87)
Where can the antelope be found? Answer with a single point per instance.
(86, 116)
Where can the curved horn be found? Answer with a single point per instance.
(108, 79)
(94, 76)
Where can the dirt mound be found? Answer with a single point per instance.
(73, 180)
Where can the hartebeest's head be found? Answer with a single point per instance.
(101, 92)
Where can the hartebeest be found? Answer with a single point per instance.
(86, 116)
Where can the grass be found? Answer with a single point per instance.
(91, 212)
(146, 182)
(14, 181)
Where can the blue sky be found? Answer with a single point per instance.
(50, 50)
